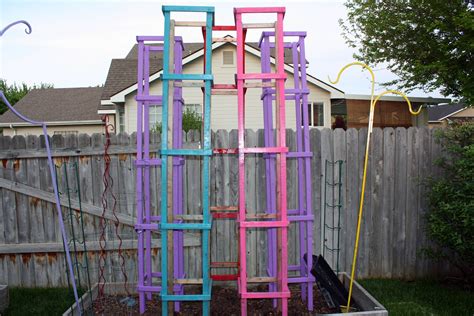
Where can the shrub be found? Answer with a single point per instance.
(191, 120)
(451, 216)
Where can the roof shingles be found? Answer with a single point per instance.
(57, 105)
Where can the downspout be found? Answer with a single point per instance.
(14, 130)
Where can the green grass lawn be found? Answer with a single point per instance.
(39, 301)
(423, 297)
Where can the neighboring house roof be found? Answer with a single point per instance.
(57, 105)
(122, 75)
(441, 112)
(427, 100)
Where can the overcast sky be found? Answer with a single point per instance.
(73, 42)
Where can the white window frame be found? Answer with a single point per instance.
(312, 105)
(152, 114)
(121, 119)
(196, 107)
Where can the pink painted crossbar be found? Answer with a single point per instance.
(268, 150)
(268, 224)
(260, 10)
(258, 76)
(265, 294)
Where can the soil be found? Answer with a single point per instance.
(225, 301)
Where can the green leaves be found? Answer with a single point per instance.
(451, 215)
(428, 44)
(191, 120)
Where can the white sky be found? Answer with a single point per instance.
(73, 42)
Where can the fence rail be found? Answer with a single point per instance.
(393, 223)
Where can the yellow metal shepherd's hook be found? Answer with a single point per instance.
(373, 102)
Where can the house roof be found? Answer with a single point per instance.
(440, 112)
(123, 72)
(57, 105)
(426, 100)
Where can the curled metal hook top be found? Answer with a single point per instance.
(356, 63)
(27, 30)
(403, 95)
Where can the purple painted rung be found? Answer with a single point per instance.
(266, 35)
(148, 218)
(303, 214)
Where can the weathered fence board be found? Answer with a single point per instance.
(31, 252)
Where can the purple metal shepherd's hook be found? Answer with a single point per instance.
(27, 31)
(51, 170)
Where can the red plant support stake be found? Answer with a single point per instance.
(108, 187)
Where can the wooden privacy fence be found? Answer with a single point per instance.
(31, 252)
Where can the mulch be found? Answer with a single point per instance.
(225, 301)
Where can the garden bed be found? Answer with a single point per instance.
(225, 301)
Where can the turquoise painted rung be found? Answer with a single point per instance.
(183, 226)
(186, 8)
(167, 76)
(188, 297)
(186, 152)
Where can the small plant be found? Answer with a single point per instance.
(451, 216)
(191, 120)
(156, 128)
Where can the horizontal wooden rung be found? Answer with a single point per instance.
(224, 86)
(224, 208)
(225, 151)
(188, 217)
(224, 265)
(259, 84)
(188, 281)
(261, 280)
(190, 23)
(223, 39)
(223, 92)
(258, 25)
(260, 216)
(190, 84)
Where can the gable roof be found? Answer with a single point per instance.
(122, 72)
(57, 105)
(440, 112)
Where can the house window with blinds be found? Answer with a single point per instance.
(228, 58)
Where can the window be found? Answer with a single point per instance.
(121, 120)
(154, 115)
(194, 107)
(316, 113)
(228, 57)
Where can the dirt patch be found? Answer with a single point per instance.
(225, 301)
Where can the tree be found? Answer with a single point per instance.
(191, 121)
(13, 93)
(427, 44)
(451, 216)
